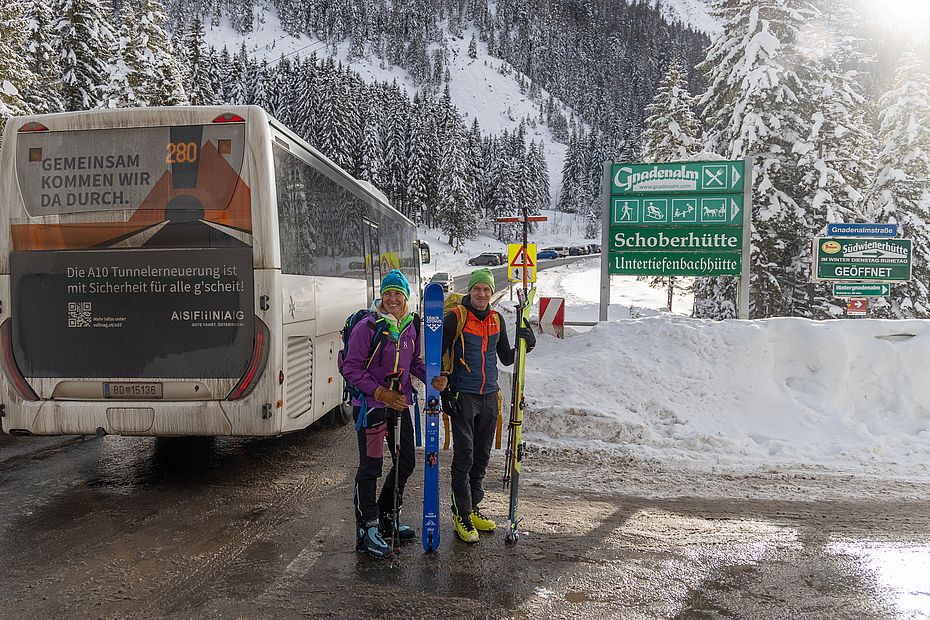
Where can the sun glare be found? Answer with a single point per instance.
(910, 15)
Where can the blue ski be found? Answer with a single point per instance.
(432, 319)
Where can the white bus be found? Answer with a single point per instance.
(180, 271)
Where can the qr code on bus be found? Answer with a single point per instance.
(78, 314)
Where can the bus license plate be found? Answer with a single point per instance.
(132, 390)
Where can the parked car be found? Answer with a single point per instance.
(547, 253)
(443, 278)
(487, 258)
(577, 250)
(561, 250)
(595, 248)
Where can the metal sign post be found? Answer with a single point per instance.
(525, 220)
(742, 296)
(605, 243)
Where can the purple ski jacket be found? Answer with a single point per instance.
(403, 354)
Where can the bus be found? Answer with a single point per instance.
(181, 271)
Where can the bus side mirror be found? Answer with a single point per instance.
(424, 253)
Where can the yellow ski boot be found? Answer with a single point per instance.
(464, 528)
(481, 522)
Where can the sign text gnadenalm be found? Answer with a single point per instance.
(672, 179)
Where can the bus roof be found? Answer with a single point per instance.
(115, 118)
(119, 118)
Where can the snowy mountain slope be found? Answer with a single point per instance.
(694, 13)
(484, 88)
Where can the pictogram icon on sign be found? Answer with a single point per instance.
(522, 259)
(714, 177)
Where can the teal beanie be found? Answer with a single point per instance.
(395, 280)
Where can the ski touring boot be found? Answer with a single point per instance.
(464, 528)
(386, 525)
(481, 522)
(370, 541)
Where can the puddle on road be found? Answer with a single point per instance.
(902, 572)
(578, 597)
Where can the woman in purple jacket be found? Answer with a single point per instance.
(398, 352)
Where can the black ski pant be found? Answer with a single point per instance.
(473, 429)
(370, 458)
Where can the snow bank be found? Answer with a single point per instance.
(846, 393)
(580, 285)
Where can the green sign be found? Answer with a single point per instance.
(675, 264)
(712, 210)
(703, 177)
(677, 218)
(862, 259)
(861, 290)
(678, 238)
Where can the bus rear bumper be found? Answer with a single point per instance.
(162, 419)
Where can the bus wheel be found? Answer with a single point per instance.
(340, 415)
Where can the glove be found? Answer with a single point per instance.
(440, 382)
(529, 336)
(450, 403)
(391, 399)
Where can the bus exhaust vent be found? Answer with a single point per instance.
(298, 373)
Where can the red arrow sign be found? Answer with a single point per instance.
(857, 305)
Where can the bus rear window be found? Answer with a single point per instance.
(63, 172)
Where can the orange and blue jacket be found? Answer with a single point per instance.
(475, 353)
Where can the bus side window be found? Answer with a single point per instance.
(372, 258)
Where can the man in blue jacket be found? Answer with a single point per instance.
(471, 400)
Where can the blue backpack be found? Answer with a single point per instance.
(377, 335)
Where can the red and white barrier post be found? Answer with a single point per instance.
(552, 316)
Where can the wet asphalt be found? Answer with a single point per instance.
(121, 527)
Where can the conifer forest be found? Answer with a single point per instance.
(833, 110)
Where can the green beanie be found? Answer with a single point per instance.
(481, 275)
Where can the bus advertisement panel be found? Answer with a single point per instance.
(137, 250)
(181, 271)
(133, 314)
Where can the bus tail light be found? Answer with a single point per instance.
(10, 368)
(229, 118)
(256, 367)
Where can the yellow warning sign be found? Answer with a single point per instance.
(520, 258)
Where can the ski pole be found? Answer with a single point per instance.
(393, 383)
